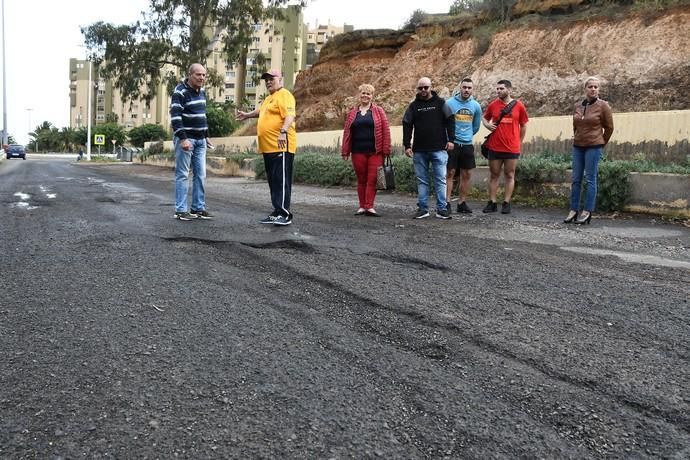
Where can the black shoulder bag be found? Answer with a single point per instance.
(506, 110)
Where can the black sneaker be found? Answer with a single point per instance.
(448, 208)
(421, 214)
(491, 206)
(463, 208)
(283, 220)
(269, 219)
(443, 214)
(505, 208)
(202, 214)
(184, 215)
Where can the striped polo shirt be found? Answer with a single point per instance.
(188, 112)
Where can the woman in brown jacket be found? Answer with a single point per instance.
(593, 126)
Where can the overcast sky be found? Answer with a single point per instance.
(42, 35)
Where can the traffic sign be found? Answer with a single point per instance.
(99, 139)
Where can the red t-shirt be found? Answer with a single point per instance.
(506, 137)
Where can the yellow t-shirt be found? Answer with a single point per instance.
(272, 115)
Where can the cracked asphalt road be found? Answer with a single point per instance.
(125, 333)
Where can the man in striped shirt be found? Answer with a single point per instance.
(190, 132)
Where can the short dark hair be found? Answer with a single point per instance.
(466, 79)
(506, 83)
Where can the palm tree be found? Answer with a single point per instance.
(67, 139)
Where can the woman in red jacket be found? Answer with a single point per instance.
(367, 137)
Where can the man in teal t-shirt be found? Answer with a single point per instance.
(468, 115)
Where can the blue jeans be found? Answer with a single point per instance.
(196, 158)
(585, 163)
(438, 160)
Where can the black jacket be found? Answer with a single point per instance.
(432, 122)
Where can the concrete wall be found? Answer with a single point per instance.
(659, 136)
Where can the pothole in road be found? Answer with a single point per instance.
(279, 244)
(23, 205)
(284, 244)
(631, 257)
(402, 260)
(638, 232)
(106, 199)
(191, 239)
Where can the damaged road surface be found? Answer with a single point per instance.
(126, 333)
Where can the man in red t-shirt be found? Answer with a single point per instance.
(504, 143)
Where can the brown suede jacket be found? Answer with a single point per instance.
(592, 123)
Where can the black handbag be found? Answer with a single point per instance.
(385, 175)
(506, 110)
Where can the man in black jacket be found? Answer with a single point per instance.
(432, 122)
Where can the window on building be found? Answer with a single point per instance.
(229, 85)
(249, 84)
(230, 74)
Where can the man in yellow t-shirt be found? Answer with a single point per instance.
(277, 138)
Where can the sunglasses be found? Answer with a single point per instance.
(423, 88)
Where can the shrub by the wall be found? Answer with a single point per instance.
(613, 185)
(331, 170)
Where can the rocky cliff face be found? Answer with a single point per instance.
(642, 57)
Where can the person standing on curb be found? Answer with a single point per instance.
(431, 121)
(367, 137)
(468, 118)
(277, 139)
(190, 132)
(507, 124)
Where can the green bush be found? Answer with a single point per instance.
(613, 185)
(535, 170)
(532, 176)
(156, 148)
(331, 170)
(540, 178)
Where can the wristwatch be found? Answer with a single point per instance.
(283, 131)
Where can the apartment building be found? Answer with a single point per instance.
(78, 92)
(107, 104)
(276, 44)
(319, 36)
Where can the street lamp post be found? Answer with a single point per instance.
(88, 116)
(4, 80)
(28, 111)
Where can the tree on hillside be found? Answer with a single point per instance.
(147, 133)
(464, 6)
(416, 19)
(173, 35)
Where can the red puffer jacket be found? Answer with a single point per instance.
(382, 132)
